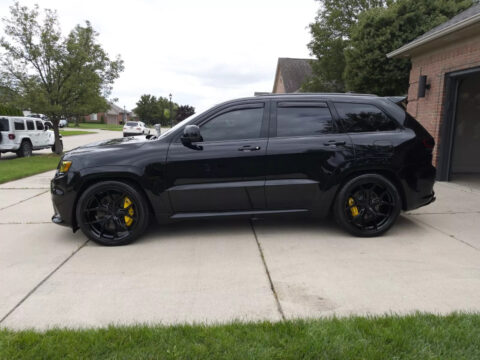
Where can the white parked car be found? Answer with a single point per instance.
(62, 123)
(22, 135)
(135, 128)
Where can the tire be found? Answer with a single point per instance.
(102, 216)
(25, 149)
(367, 205)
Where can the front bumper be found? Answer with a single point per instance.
(63, 200)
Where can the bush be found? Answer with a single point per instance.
(10, 110)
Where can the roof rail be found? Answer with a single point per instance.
(314, 93)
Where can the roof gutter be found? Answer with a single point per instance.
(436, 35)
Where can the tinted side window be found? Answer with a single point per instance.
(30, 125)
(363, 118)
(298, 121)
(234, 125)
(19, 125)
(4, 125)
(39, 125)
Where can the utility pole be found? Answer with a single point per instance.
(171, 117)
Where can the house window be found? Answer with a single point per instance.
(93, 117)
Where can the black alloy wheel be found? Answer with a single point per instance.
(112, 213)
(367, 205)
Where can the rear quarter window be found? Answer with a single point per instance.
(4, 126)
(364, 118)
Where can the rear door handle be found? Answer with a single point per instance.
(249, 148)
(334, 143)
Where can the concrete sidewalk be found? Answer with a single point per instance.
(217, 271)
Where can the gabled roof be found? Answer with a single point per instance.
(466, 19)
(115, 110)
(294, 72)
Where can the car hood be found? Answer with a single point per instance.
(111, 145)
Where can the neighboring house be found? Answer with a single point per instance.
(446, 60)
(115, 115)
(291, 74)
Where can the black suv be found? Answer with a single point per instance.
(361, 157)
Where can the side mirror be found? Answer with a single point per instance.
(191, 134)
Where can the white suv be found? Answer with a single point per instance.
(135, 128)
(22, 135)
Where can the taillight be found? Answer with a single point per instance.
(429, 143)
(11, 136)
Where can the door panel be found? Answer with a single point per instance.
(300, 169)
(226, 171)
(304, 154)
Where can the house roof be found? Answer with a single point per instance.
(294, 72)
(115, 110)
(466, 19)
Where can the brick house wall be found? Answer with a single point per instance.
(429, 111)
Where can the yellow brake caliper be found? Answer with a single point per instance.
(353, 209)
(128, 220)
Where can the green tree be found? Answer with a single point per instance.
(51, 74)
(183, 112)
(382, 30)
(152, 110)
(330, 37)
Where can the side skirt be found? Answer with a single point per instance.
(235, 213)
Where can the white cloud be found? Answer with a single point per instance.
(203, 52)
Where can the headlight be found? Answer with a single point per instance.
(64, 166)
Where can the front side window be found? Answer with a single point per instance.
(30, 125)
(234, 125)
(39, 125)
(364, 118)
(303, 121)
(19, 125)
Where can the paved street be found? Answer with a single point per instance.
(217, 271)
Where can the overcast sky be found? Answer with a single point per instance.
(203, 52)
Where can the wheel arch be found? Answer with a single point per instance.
(388, 174)
(131, 179)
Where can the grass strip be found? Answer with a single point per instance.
(13, 169)
(416, 336)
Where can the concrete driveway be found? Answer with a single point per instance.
(217, 271)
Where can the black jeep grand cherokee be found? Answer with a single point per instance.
(361, 156)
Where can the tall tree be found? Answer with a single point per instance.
(54, 75)
(330, 37)
(183, 112)
(151, 109)
(382, 30)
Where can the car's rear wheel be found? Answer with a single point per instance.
(112, 213)
(25, 149)
(367, 205)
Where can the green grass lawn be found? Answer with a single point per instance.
(420, 336)
(13, 169)
(75, 132)
(97, 126)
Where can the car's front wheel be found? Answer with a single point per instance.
(367, 205)
(112, 213)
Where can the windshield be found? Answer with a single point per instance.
(179, 125)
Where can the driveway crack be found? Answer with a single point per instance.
(21, 201)
(42, 282)
(272, 287)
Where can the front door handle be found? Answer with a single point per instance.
(334, 143)
(249, 148)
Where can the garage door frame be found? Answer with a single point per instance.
(447, 128)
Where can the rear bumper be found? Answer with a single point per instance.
(418, 185)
